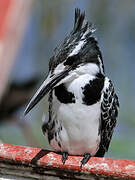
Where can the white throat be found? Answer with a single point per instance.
(88, 69)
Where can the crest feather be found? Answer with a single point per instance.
(79, 19)
(80, 24)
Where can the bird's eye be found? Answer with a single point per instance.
(69, 61)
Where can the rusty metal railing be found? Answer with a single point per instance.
(36, 163)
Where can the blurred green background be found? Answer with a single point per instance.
(49, 22)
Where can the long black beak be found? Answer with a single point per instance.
(45, 88)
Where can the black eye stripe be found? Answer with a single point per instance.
(71, 59)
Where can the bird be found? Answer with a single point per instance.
(83, 105)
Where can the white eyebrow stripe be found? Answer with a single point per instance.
(77, 48)
(80, 44)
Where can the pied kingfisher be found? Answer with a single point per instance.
(83, 106)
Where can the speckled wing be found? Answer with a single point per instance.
(109, 113)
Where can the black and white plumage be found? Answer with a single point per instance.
(83, 106)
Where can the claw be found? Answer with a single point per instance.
(85, 159)
(64, 157)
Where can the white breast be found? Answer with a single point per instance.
(80, 122)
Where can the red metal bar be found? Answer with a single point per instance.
(4, 7)
(43, 158)
(14, 16)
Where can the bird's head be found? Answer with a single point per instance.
(79, 49)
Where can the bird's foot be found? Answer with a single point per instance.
(64, 157)
(85, 159)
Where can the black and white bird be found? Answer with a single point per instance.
(83, 105)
